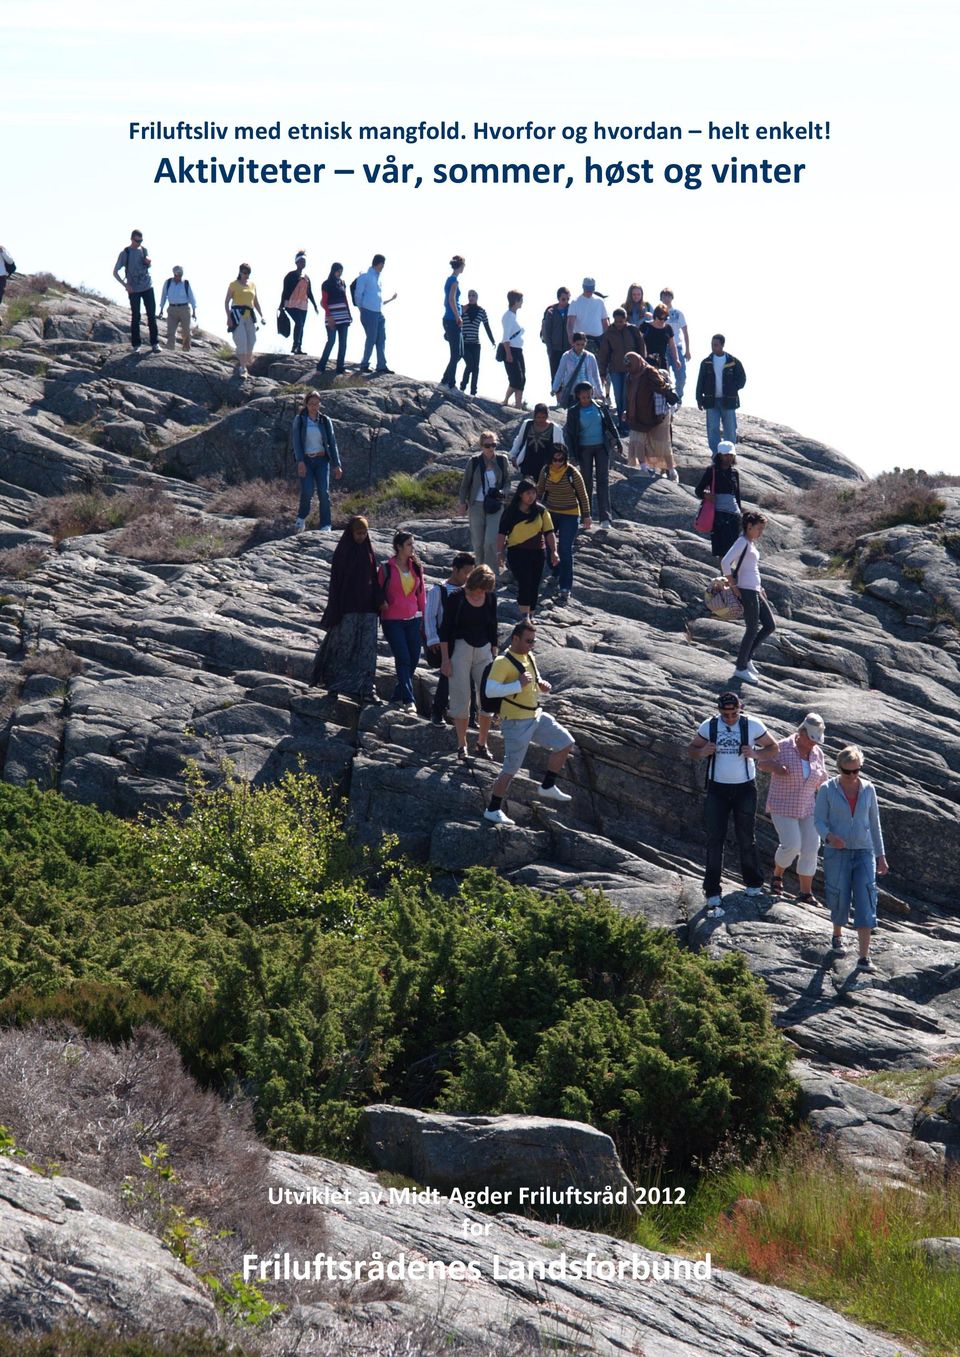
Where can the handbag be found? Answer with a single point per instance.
(722, 603)
(501, 354)
(566, 391)
(708, 509)
(283, 323)
(493, 501)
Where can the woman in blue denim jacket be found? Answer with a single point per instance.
(847, 818)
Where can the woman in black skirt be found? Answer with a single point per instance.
(526, 530)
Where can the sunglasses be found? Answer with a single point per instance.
(851, 772)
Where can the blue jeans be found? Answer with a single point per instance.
(318, 474)
(403, 638)
(454, 337)
(716, 417)
(618, 380)
(335, 332)
(850, 877)
(566, 527)
(679, 370)
(375, 329)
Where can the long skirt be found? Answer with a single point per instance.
(347, 659)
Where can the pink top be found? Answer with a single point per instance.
(790, 793)
(400, 606)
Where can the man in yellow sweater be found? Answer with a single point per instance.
(515, 679)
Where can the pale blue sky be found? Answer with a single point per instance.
(839, 294)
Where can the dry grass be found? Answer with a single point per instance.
(97, 511)
(839, 517)
(60, 663)
(19, 563)
(178, 538)
(265, 499)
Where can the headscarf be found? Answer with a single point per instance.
(353, 573)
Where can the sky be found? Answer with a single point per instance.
(838, 292)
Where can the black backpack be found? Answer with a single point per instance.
(712, 736)
(492, 704)
(353, 289)
(10, 266)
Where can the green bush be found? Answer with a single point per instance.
(318, 978)
(405, 496)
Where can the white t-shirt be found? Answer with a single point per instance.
(588, 314)
(487, 481)
(748, 574)
(512, 330)
(719, 362)
(728, 766)
(678, 321)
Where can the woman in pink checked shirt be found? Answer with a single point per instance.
(797, 771)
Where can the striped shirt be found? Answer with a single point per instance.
(473, 317)
(568, 495)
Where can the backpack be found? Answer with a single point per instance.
(353, 289)
(712, 737)
(10, 267)
(492, 704)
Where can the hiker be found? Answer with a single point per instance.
(560, 489)
(513, 359)
(720, 483)
(468, 642)
(591, 438)
(453, 321)
(619, 340)
(731, 743)
(797, 771)
(659, 339)
(371, 301)
(240, 304)
(463, 564)
(636, 308)
(7, 269)
(177, 296)
(648, 398)
(347, 659)
(515, 679)
(587, 314)
(135, 263)
(483, 489)
(536, 438)
(678, 324)
(577, 364)
(315, 452)
(553, 329)
(295, 294)
(741, 566)
(526, 531)
(847, 818)
(336, 317)
(719, 382)
(473, 317)
(401, 579)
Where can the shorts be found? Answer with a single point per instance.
(850, 878)
(519, 734)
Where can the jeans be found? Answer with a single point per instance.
(567, 526)
(318, 474)
(335, 332)
(717, 417)
(403, 638)
(618, 380)
(454, 338)
(298, 314)
(471, 371)
(679, 370)
(595, 455)
(759, 624)
(375, 329)
(850, 877)
(150, 303)
(741, 799)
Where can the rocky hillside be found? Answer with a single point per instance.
(190, 632)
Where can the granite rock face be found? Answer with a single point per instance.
(115, 669)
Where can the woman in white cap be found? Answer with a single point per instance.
(797, 772)
(720, 484)
(847, 818)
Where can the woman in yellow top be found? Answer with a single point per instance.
(525, 528)
(561, 490)
(240, 304)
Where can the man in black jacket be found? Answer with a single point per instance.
(553, 329)
(719, 382)
(590, 435)
(296, 293)
(618, 340)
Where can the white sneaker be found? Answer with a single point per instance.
(714, 901)
(754, 891)
(745, 676)
(752, 668)
(553, 793)
(606, 523)
(299, 525)
(673, 476)
(328, 528)
(497, 817)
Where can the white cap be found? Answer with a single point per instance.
(814, 726)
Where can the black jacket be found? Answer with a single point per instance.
(571, 430)
(553, 328)
(728, 482)
(734, 378)
(289, 283)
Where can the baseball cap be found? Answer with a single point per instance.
(589, 284)
(814, 727)
(726, 449)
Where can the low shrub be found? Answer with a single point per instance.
(267, 499)
(59, 663)
(98, 511)
(894, 498)
(404, 496)
(19, 563)
(178, 538)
